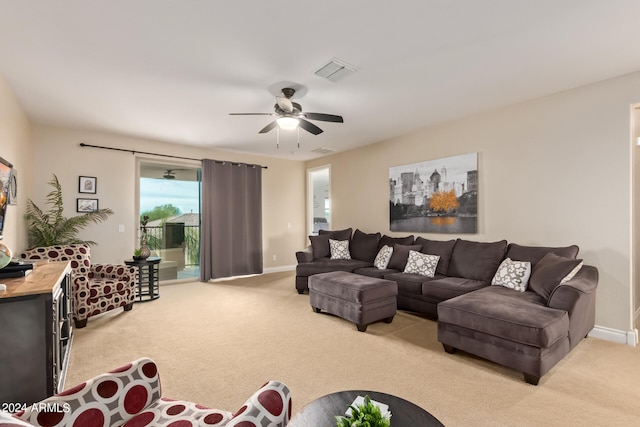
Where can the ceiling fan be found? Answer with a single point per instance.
(169, 174)
(290, 115)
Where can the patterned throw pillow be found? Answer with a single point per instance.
(513, 275)
(339, 249)
(422, 264)
(384, 256)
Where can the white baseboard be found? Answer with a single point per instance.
(279, 269)
(615, 335)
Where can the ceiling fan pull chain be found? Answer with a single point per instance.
(298, 128)
(277, 137)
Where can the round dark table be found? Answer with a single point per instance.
(148, 276)
(322, 411)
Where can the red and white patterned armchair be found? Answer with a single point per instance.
(96, 288)
(130, 396)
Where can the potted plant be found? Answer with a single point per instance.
(48, 228)
(365, 415)
(137, 255)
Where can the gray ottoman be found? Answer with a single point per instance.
(359, 299)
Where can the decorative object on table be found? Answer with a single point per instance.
(436, 196)
(137, 255)
(145, 252)
(87, 184)
(86, 205)
(364, 412)
(48, 228)
(5, 255)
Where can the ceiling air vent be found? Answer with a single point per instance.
(323, 150)
(335, 70)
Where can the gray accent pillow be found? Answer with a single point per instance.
(364, 247)
(549, 272)
(476, 260)
(320, 243)
(400, 255)
(390, 241)
(442, 248)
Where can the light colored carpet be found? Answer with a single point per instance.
(215, 343)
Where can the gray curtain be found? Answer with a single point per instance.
(231, 239)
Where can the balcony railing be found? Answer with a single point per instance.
(157, 240)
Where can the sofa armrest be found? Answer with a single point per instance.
(271, 403)
(305, 256)
(120, 272)
(578, 298)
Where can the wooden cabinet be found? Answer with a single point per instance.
(35, 334)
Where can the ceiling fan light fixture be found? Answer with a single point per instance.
(287, 123)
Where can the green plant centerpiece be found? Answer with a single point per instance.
(365, 415)
(51, 227)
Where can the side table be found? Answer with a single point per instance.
(322, 411)
(148, 276)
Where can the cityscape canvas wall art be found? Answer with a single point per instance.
(435, 196)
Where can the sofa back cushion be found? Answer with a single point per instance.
(364, 246)
(534, 254)
(550, 271)
(476, 260)
(320, 243)
(390, 241)
(441, 248)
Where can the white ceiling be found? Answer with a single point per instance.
(173, 70)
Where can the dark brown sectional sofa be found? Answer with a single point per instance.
(529, 331)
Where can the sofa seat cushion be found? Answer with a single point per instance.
(516, 316)
(445, 288)
(165, 412)
(408, 283)
(324, 266)
(375, 271)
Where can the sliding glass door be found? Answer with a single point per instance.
(170, 197)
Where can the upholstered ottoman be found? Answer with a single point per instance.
(360, 299)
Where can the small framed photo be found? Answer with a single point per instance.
(88, 184)
(87, 205)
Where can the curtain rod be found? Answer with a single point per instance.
(82, 144)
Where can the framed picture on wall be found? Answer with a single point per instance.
(435, 196)
(87, 184)
(13, 187)
(87, 205)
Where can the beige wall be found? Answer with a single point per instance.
(15, 147)
(57, 151)
(553, 171)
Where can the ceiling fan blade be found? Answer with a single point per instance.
(309, 127)
(268, 127)
(251, 114)
(285, 104)
(324, 117)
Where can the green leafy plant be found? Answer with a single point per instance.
(365, 415)
(52, 227)
(137, 252)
